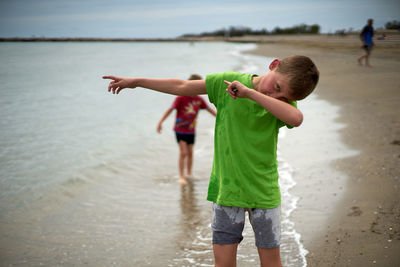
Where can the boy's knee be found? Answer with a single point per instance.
(184, 154)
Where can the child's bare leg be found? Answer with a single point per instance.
(189, 161)
(270, 257)
(367, 59)
(183, 152)
(225, 255)
(360, 59)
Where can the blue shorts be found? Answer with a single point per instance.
(228, 224)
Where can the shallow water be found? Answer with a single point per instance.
(86, 180)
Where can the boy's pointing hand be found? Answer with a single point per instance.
(236, 89)
(118, 83)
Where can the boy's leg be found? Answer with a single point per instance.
(367, 58)
(270, 257)
(267, 231)
(362, 57)
(225, 255)
(227, 226)
(183, 152)
(189, 161)
(360, 60)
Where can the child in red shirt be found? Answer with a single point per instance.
(187, 108)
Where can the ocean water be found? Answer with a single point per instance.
(86, 180)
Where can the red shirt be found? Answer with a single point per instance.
(187, 108)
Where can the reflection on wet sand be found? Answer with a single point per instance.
(194, 237)
(190, 215)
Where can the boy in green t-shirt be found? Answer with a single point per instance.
(244, 177)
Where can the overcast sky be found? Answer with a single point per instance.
(172, 18)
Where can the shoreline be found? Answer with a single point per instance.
(348, 40)
(362, 228)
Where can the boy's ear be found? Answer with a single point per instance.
(274, 64)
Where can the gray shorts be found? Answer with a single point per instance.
(228, 224)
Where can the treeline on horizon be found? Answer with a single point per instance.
(238, 31)
(393, 25)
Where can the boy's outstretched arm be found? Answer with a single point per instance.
(166, 114)
(168, 86)
(282, 110)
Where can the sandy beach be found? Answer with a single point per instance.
(350, 216)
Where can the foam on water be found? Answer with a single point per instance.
(289, 204)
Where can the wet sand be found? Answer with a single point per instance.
(349, 208)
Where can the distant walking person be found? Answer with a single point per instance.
(366, 37)
(187, 108)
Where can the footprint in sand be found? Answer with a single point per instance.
(355, 211)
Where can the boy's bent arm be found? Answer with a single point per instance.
(282, 110)
(168, 86)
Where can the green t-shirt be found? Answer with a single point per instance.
(245, 167)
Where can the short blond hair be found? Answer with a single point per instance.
(302, 73)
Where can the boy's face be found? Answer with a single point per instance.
(276, 85)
